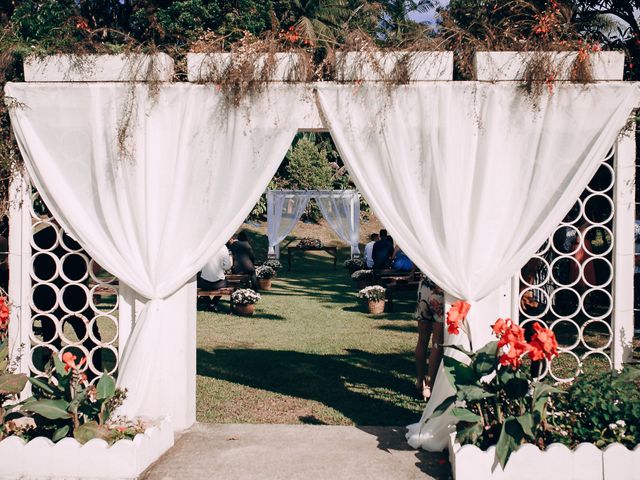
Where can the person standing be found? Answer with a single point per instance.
(212, 276)
(368, 250)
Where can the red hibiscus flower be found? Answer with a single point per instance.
(511, 342)
(4, 314)
(456, 315)
(69, 360)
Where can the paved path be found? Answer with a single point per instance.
(292, 452)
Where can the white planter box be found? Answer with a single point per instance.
(421, 66)
(557, 462)
(211, 67)
(99, 68)
(505, 66)
(125, 459)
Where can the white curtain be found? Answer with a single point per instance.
(470, 178)
(197, 167)
(341, 210)
(284, 209)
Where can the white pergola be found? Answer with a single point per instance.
(340, 208)
(467, 176)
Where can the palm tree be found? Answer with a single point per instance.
(395, 17)
(319, 21)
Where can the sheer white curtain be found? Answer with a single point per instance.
(341, 210)
(197, 167)
(284, 209)
(470, 178)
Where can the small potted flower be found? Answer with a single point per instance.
(309, 244)
(244, 301)
(375, 296)
(362, 277)
(354, 264)
(265, 274)
(273, 263)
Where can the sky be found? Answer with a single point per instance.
(428, 17)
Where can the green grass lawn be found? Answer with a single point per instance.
(311, 354)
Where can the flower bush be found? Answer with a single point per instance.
(497, 401)
(273, 263)
(308, 243)
(265, 271)
(362, 275)
(600, 408)
(374, 293)
(354, 264)
(245, 296)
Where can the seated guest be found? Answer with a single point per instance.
(400, 261)
(382, 251)
(243, 258)
(212, 275)
(368, 250)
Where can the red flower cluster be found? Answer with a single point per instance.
(456, 315)
(514, 346)
(69, 360)
(4, 314)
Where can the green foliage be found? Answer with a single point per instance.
(601, 409)
(495, 405)
(44, 20)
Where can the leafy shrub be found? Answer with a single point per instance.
(374, 293)
(265, 271)
(245, 296)
(599, 408)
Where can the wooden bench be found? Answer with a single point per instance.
(400, 283)
(220, 292)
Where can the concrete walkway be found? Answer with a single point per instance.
(292, 452)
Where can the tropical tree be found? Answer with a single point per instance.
(396, 16)
(319, 21)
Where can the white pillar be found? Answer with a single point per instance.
(624, 249)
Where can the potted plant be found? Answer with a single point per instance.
(244, 301)
(265, 274)
(362, 277)
(509, 422)
(308, 243)
(354, 264)
(375, 296)
(275, 264)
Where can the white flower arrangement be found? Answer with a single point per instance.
(265, 271)
(354, 264)
(245, 296)
(374, 293)
(273, 263)
(362, 275)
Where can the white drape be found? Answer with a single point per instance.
(197, 169)
(340, 208)
(470, 178)
(342, 212)
(283, 212)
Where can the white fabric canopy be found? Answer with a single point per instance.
(198, 168)
(470, 179)
(340, 208)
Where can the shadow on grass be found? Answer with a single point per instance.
(367, 388)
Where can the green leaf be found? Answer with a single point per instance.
(509, 441)
(469, 434)
(90, 430)
(459, 348)
(465, 415)
(472, 393)
(60, 433)
(106, 387)
(516, 388)
(458, 373)
(48, 408)
(486, 361)
(12, 383)
(526, 423)
(59, 366)
(446, 403)
(45, 387)
(541, 389)
(490, 348)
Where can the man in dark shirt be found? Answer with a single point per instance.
(243, 258)
(382, 251)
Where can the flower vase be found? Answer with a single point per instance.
(264, 283)
(376, 307)
(245, 310)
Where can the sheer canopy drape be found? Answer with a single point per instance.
(153, 202)
(470, 178)
(340, 208)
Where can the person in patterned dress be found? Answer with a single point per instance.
(430, 317)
